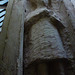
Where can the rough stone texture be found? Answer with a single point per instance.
(49, 38)
(73, 2)
(44, 42)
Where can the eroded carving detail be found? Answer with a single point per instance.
(44, 48)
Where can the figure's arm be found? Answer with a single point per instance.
(56, 21)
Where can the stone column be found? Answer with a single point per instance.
(11, 39)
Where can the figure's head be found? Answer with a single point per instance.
(40, 2)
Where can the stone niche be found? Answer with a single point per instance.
(47, 46)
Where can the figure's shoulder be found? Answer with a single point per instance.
(39, 12)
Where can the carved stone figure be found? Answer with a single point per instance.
(37, 37)
(43, 43)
